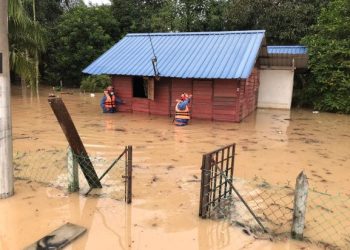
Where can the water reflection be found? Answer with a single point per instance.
(272, 144)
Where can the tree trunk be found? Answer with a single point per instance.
(24, 87)
(37, 73)
(6, 168)
(36, 58)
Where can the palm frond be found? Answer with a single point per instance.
(22, 65)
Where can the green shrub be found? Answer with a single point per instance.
(95, 83)
(329, 59)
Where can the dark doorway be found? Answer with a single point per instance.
(139, 85)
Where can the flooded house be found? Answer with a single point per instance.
(224, 71)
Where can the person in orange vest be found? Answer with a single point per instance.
(110, 101)
(182, 111)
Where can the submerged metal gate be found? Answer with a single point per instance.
(217, 173)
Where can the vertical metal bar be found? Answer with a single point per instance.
(233, 158)
(202, 185)
(206, 186)
(126, 174)
(215, 175)
(227, 166)
(221, 168)
(232, 164)
(129, 174)
(209, 167)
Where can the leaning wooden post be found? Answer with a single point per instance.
(300, 200)
(73, 138)
(129, 176)
(72, 165)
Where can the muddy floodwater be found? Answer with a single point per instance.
(272, 145)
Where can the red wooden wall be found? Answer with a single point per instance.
(161, 102)
(221, 100)
(202, 99)
(123, 88)
(225, 100)
(249, 94)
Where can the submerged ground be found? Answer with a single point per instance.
(272, 145)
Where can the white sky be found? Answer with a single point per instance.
(97, 2)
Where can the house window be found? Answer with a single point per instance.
(140, 87)
(143, 87)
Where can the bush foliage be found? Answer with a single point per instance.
(329, 59)
(95, 83)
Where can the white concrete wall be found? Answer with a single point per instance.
(276, 88)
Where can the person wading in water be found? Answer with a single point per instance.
(110, 101)
(182, 110)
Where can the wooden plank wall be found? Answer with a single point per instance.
(249, 94)
(160, 105)
(123, 88)
(140, 105)
(221, 100)
(225, 100)
(202, 99)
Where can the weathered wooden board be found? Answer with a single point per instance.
(202, 103)
(160, 104)
(59, 238)
(73, 138)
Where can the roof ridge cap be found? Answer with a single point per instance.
(196, 33)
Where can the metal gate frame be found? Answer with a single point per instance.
(214, 186)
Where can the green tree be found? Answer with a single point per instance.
(26, 38)
(329, 59)
(81, 35)
(285, 21)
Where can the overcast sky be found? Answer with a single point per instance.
(97, 1)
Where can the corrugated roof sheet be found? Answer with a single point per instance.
(290, 50)
(230, 54)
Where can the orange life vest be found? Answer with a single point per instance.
(182, 114)
(110, 101)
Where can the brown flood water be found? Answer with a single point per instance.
(273, 145)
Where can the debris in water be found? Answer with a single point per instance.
(154, 179)
(170, 167)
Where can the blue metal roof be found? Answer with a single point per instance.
(230, 54)
(290, 50)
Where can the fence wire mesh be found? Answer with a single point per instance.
(328, 220)
(50, 167)
(327, 216)
(271, 205)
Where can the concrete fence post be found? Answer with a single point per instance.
(6, 147)
(73, 175)
(300, 201)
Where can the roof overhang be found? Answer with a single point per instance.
(284, 57)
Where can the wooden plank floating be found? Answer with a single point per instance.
(58, 238)
(73, 138)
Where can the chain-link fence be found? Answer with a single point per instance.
(328, 220)
(264, 210)
(327, 216)
(61, 168)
